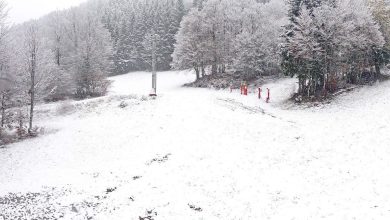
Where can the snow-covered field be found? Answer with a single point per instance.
(202, 154)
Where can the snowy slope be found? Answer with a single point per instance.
(202, 154)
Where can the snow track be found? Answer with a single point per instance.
(202, 154)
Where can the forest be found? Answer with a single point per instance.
(69, 54)
(263, 109)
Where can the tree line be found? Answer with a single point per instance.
(231, 36)
(70, 53)
(65, 54)
(324, 43)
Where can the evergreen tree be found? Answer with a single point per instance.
(132, 22)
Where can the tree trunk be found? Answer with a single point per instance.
(214, 66)
(197, 73)
(32, 99)
(300, 84)
(2, 110)
(203, 70)
(33, 45)
(20, 121)
(326, 73)
(58, 57)
(377, 70)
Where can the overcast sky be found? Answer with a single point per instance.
(23, 10)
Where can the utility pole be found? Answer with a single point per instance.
(154, 63)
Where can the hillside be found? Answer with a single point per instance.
(202, 154)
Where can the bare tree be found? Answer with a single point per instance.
(94, 52)
(4, 30)
(32, 45)
(5, 78)
(57, 29)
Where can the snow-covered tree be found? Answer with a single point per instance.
(331, 43)
(73, 57)
(241, 36)
(381, 12)
(32, 44)
(58, 50)
(258, 44)
(5, 76)
(131, 23)
(6, 79)
(361, 40)
(91, 64)
(190, 48)
(306, 52)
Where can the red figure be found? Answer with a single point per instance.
(268, 95)
(259, 93)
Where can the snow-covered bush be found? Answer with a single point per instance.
(16, 128)
(90, 84)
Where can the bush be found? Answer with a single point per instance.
(92, 86)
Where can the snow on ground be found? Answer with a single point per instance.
(202, 154)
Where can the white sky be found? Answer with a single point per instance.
(24, 10)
